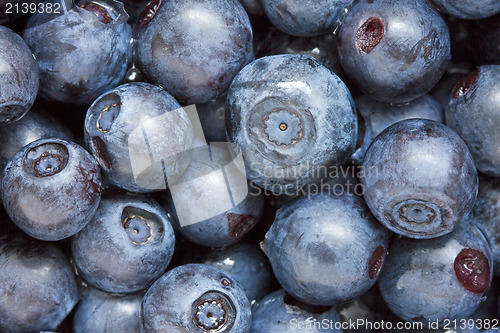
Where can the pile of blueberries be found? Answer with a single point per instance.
(263, 166)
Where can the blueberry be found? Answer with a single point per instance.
(486, 213)
(323, 48)
(51, 188)
(212, 203)
(38, 288)
(471, 10)
(244, 261)
(419, 178)
(377, 116)
(422, 278)
(395, 50)
(326, 249)
(292, 118)
(473, 113)
(139, 134)
(193, 48)
(127, 245)
(280, 313)
(101, 312)
(35, 125)
(306, 18)
(81, 53)
(19, 76)
(200, 298)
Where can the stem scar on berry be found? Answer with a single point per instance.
(150, 11)
(472, 270)
(99, 11)
(369, 35)
(465, 84)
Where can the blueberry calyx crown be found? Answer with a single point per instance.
(283, 127)
(214, 312)
(465, 84)
(211, 315)
(417, 213)
(369, 35)
(138, 229)
(107, 117)
(47, 159)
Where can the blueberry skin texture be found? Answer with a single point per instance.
(33, 126)
(19, 77)
(193, 48)
(472, 112)
(280, 313)
(307, 17)
(407, 37)
(290, 116)
(486, 215)
(127, 245)
(38, 287)
(310, 247)
(51, 189)
(435, 279)
(469, 9)
(198, 298)
(377, 116)
(420, 179)
(80, 55)
(245, 262)
(101, 312)
(133, 124)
